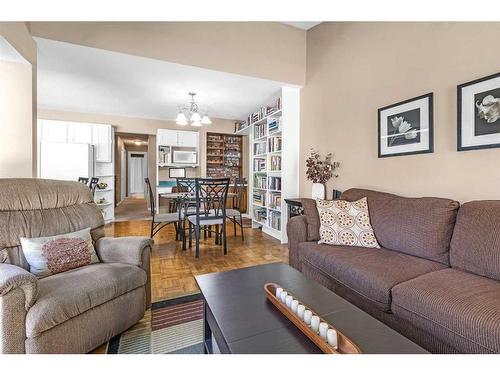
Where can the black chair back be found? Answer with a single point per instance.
(211, 198)
(151, 196)
(83, 180)
(239, 187)
(186, 184)
(93, 184)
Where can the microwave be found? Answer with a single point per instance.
(185, 157)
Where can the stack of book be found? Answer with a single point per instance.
(275, 163)
(275, 125)
(260, 214)
(274, 183)
(259, 165)
(259, 198)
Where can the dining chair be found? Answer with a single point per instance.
(234, 214)
(93, 184)
(211, 199)
(160, 221)
(83, 180)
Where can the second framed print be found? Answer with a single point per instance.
(478, 117)
(406, 128)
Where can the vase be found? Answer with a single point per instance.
(318, 191)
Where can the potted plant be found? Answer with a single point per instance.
(319, 172)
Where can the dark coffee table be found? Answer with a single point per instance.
(239, 319)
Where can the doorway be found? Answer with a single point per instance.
(137, 172)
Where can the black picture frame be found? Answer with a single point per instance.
(460, 124)
(430, 149)
(180, 175)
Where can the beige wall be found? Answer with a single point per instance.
(261, 49)
(147, 126)
(15, 120)
(18, 35)
(355, 68)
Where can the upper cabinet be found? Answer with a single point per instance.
(177, 138)
(99, 135)
(101, 138)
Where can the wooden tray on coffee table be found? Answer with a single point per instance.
(344, 344)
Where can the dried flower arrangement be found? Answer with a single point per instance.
(320, 171)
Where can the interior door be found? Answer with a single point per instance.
(137, 171)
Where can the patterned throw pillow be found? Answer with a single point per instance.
(345, 223)
(50, 255)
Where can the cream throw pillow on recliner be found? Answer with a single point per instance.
(50, 255)
(345, 223)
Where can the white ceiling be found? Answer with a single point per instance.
(304, 25)
(89, 80)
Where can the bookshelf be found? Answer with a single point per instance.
(224, 155)
(274, 154)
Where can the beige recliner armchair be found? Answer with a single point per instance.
(74, 311)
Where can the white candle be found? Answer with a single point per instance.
(295, 305)
(300, 311)
(315, 323)
(283, 296)
(278, 292)
(307, 316)
(331, 336)
(323, 328)
(288, 301)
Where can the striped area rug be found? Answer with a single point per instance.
(171, 327)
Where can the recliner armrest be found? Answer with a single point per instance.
(12, 277)
(127, 250)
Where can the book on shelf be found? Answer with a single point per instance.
(275, 161)
(259, 197)
(259, 165)
(275, 220)
(264, 112)
(274, 183)
(274, 125)
(275, 200)
(259, 182)
(260, 214)
(259, 131)
(259, 148)
(274, 144)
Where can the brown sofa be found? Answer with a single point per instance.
(435, 278)
(73, 311)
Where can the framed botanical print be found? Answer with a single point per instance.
(406, 128)
(478, 115)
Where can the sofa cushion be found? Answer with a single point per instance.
(369, 272)
(417, 226)
(312, 217)
(66, 295)
(345, 223)
(475, 245)
(458, 307)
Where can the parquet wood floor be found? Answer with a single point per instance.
(173, 271)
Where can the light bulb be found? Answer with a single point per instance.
(206, 120)
(195, 117)
(181, 119)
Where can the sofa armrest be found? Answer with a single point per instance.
(18, 292)
(129, 250)
(296, 230)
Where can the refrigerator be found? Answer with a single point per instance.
(66, 161)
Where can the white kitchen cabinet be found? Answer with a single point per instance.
(101, 138)
(187, 139)
(53, 131)
(79, 132)
(177, 138)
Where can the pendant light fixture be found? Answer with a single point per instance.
(190, 114)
